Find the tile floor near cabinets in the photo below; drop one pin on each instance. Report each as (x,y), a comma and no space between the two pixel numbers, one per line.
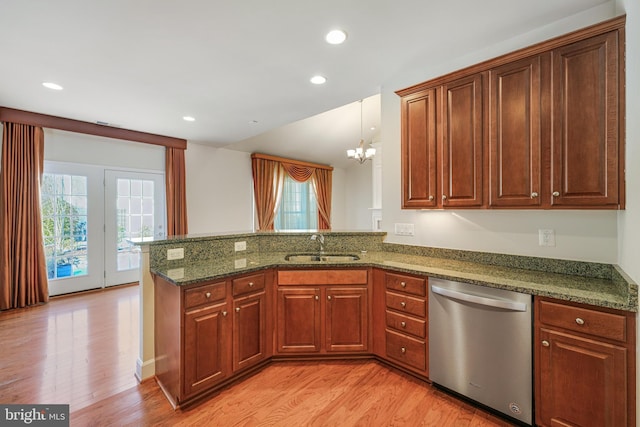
(81,350)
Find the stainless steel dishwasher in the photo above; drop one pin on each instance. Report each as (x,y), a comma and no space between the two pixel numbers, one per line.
(480,345)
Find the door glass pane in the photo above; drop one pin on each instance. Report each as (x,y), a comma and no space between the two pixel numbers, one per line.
(64,224)
(135,219)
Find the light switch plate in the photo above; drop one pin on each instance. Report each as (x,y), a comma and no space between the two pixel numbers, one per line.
(402,229)
(546,237)
(176,253)
(241,246)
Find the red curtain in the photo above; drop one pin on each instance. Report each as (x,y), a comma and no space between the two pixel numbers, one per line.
(23,271)
(322,184)
(267,186)
(176,188)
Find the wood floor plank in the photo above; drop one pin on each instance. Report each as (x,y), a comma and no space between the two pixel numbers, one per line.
(82,349)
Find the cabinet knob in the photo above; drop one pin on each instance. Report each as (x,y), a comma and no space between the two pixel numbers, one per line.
(208,295)
(579,321)
(444,197)
(237,309)
(545,343)
(224,313)
(329,297)
(556,193)
(403,304)
(403,324)
(251,284)
(317,297)
(403,350)
(431,198)
(534,195)
(404,285)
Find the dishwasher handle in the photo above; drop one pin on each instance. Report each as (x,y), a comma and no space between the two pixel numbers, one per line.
(507,305)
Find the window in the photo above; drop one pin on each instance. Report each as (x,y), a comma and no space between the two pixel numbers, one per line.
(298,208)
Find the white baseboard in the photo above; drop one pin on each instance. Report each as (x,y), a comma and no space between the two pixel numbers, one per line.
(145,370)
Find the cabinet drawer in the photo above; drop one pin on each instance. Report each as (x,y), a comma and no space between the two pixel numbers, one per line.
(407,304)
(407,350)
(410,285)
(593,322)
(204,294)
(406,324)
(248,284)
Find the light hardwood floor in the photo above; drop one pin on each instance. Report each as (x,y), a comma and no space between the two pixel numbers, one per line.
(81,350)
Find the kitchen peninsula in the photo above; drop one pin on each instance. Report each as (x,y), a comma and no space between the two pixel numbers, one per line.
(234,303)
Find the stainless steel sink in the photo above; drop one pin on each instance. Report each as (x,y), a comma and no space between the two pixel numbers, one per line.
(321,257)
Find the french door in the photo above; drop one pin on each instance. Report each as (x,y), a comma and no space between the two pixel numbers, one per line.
(88,213)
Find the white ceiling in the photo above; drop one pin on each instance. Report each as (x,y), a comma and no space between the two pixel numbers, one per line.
(144,64)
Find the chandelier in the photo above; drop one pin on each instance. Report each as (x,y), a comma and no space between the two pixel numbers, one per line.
(361,154)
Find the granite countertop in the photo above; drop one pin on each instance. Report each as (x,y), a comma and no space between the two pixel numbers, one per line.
(599,292)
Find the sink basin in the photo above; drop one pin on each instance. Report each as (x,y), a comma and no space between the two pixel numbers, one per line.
(321,257)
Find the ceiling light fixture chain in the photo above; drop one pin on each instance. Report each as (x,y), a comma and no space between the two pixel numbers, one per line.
(360,153)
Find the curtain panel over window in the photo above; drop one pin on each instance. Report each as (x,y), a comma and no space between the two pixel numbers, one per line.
(268,174)
(23,272)
(176,188)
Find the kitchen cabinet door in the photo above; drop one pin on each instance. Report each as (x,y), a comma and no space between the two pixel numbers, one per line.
(298,322)
(206,347)
(462,141)
(583,382)
(585,148)
(249,331)
(346,319)
(515,175)
(419,133)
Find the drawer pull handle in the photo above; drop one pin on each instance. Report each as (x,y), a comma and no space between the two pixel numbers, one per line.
(545,343)
(579,321)
(403,350)
(403,324)
(224,313)
(208,295)
(556,193)
(251,284)
(237,309)
(329,297)
(404,285)
(317,297)
(403,304)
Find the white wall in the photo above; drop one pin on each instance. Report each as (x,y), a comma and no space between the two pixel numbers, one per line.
(359,200)
(580,235)
(629,219)
(219,190)
(73,147)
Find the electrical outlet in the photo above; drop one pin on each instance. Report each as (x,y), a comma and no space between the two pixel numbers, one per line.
(546,237)
(240,263)
(176,253)
(404,229)
(241,246)
(176,273)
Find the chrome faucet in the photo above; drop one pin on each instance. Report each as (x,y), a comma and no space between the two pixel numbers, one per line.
(319,237)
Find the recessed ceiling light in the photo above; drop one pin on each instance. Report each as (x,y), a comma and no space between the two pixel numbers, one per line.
(53,86)
(335,37)
(188,119)
(318,80)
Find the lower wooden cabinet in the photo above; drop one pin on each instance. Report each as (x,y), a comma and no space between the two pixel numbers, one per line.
(207,333)
(584,365)
(316,318)
(206,340)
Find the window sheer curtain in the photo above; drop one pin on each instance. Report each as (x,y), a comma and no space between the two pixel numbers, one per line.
(23,273)
(176,189)
(267,184)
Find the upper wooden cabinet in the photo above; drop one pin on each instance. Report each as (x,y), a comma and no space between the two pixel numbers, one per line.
(585,149)
(536,128)
(515,147)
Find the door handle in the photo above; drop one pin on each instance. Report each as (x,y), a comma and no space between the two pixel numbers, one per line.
(461,296)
